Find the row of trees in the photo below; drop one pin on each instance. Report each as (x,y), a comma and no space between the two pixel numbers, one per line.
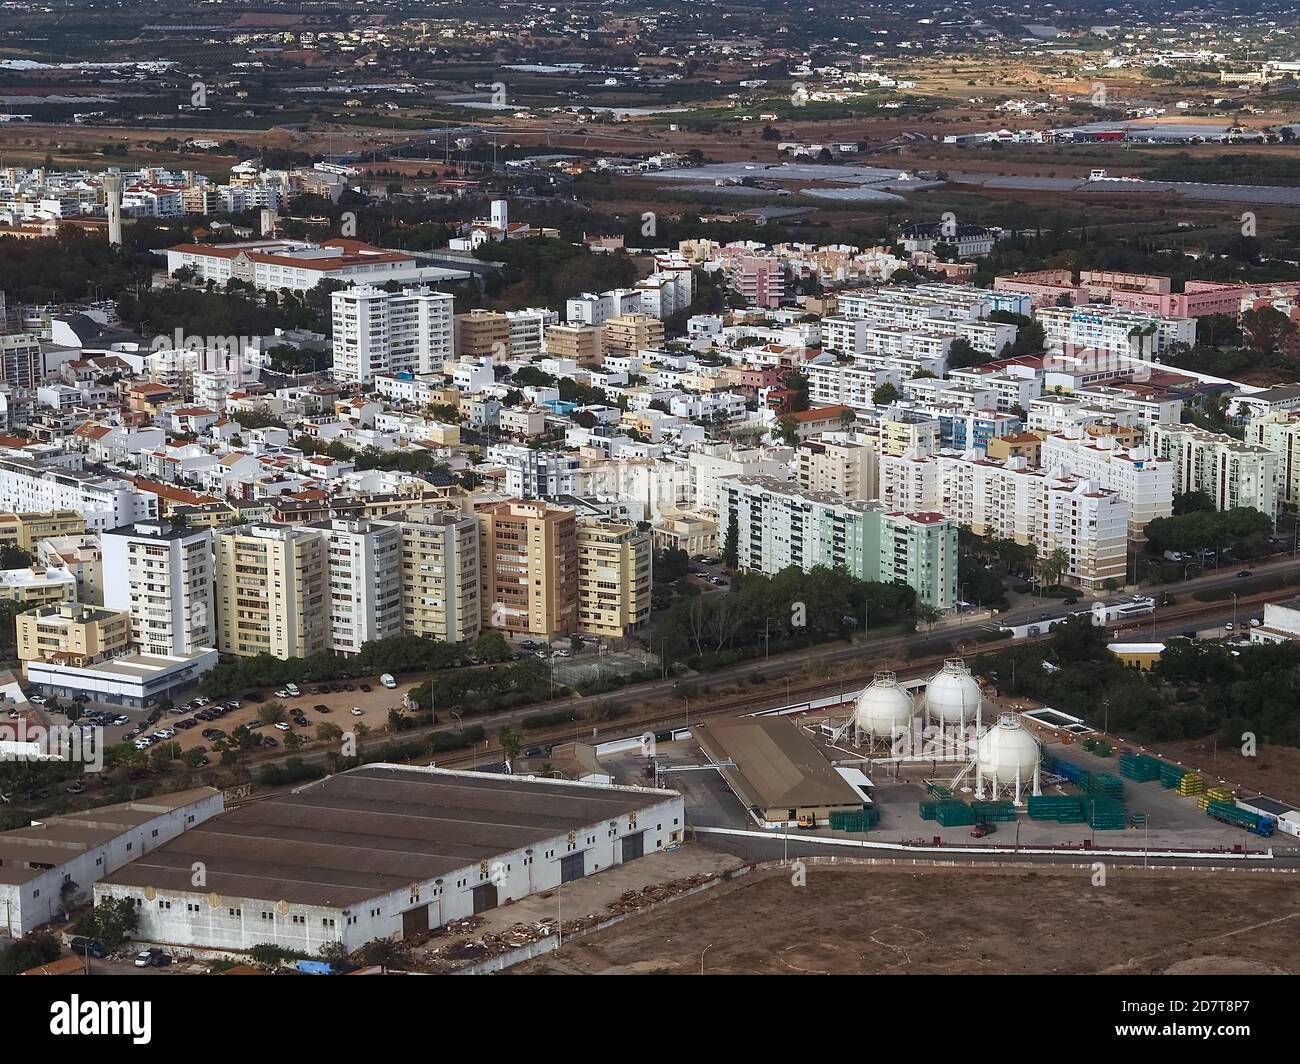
(790,608)
(1195,690)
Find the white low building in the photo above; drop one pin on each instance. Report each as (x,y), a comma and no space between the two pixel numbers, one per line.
(135,681)
(52,865)
(386,851)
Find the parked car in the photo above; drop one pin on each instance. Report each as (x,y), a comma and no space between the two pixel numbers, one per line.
(152,958)
(356,712)
(365,687)
(86,946)
(281,725)
(36,700)
(1245,572)
(293,689)
(187,724)
(388,681)
(75,787)
(282,693)
(320,707)
(213,734)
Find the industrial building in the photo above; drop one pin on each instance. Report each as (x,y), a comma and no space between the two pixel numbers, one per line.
(779,774)
(383,851)
(52,864)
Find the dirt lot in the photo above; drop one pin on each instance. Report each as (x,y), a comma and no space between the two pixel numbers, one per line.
(883,920)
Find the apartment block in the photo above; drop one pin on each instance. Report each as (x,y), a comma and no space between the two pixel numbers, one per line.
(439,574)
(780,524)
(1279,432)
(844,466)
(1231,472)
(272,591)
(378,332)
(365,582)
(163,577)
(37,586)
(72,633)
(581,344)
(1013,500)
(483,334)
(532,472)
(105,502)
(630,333)
(1114,329)
(529,568)
(1145,482)
(26,530)
(760,279)
(903,430)
(614,574)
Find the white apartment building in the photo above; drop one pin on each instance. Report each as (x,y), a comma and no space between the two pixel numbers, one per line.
(834,384)
(1113,329)
(379,332)
(710,464)
(1279,432)
(163,576)
(1145,482)
(1231,472)
(532,473)
(105,502)
(1016,501)
(365,582)
(527,330)
(596,309)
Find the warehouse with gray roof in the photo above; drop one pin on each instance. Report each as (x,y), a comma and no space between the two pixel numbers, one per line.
(384,851)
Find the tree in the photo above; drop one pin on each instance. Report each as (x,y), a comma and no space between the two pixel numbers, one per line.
(271,713)
(511,743)
(885,395)
(1054,566)
(731,544)
(787,430)
(929,616)
(492,646)
(329,732)
(383,952)
(1266,329)
(112,921)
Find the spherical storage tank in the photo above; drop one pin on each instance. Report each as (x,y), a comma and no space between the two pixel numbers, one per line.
(883,708)
(953,695)
(1007,754)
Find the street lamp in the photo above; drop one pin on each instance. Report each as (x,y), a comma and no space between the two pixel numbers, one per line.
(702,953)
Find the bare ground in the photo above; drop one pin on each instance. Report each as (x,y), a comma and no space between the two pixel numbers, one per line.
(923,920)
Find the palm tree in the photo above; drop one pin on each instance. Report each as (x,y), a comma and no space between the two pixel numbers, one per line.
(1055,566)
(511,743)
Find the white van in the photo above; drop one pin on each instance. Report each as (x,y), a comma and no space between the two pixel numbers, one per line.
(388,681)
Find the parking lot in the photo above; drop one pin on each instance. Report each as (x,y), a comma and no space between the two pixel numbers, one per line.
(301,713)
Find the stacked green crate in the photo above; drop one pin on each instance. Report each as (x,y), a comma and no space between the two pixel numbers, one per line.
(1140,768)
(929,810)
(1063,808)
(955,814)
(1103,783)
(1171,775)
(854,820)
(1106,814)
(1000,810)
